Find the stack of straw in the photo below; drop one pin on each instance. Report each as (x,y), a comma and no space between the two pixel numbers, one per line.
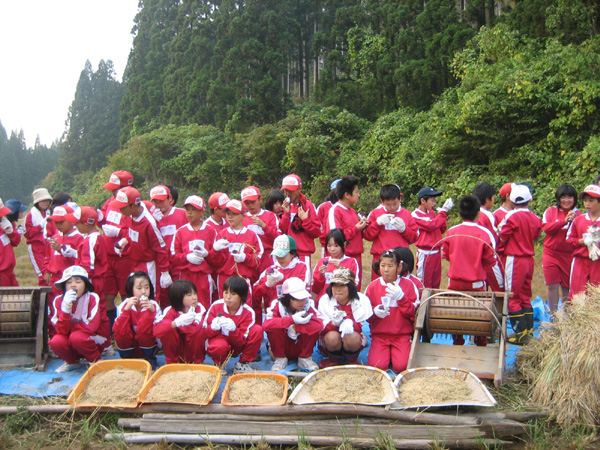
(563,365)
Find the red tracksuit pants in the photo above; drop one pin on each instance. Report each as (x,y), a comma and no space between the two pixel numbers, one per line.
(583,271)
(71,348)
(519,273)
(219,347)
(429,269)
(386,348)
(284,347)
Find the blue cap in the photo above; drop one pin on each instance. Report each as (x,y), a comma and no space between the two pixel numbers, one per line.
(15,205)
(335,183)
(428,192)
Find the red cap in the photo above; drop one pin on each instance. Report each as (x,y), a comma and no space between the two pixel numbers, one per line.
(217,200)
(504,191)
(592,190)
(159,192)
(235,206)
(250,193)
(196,201)
(4,210)
(291,182)
(85,214)
(126,196)
(118,179)
(60,213)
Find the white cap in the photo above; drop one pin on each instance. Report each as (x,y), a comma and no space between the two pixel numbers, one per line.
(520,194)
(296,288)
(73,271)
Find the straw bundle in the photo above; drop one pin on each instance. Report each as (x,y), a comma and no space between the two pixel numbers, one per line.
(353,386)
(189,386)
(116,386)
(256,391)
(433,390)
(563,365)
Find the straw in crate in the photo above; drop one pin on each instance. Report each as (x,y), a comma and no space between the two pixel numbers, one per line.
(258,386)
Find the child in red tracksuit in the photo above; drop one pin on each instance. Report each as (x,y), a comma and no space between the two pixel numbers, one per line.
(299,219)
(135,317)
(389,224)
(216,204)
(179,328)
(323,215)
(293,326)
(34,232)
(9,238)
(583,237)
(341,215)
(147,248)
(506,205)
(431,227)
(557,257)
(269,285)
(231,329)
(343,310)
(264,223)
(516,245)
(336,244)
(238,250)
(393,320)
(192,250)
(76,317)
(469,247)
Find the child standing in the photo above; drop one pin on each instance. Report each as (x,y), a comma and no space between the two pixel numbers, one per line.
(336,244)
(343,216)
(179,328)
(76,317)
(147,248)
(135,317)
(9,238)
(343,310)
(323,214)
(393,321)
(558,253)
(238,249)
(583,237)
(34,232)
(287,265)
(506,205)
(293,326)
(230,327)
(216,203)
(389,224)
(516,245)
(430,228)
(274,202)
(192,250)
(299,219)
(264,223)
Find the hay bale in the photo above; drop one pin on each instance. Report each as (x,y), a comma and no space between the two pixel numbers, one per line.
(119,386)
(563,365)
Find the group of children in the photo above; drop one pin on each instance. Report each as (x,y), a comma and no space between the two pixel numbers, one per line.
(199,287)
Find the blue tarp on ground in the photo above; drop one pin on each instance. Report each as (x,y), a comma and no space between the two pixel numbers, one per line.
(29,382)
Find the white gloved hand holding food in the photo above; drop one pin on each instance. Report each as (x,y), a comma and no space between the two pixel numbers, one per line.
(165,280)
(399,224)
(273,278)
(381,311)
(346,327)
(221,245)
(384,219)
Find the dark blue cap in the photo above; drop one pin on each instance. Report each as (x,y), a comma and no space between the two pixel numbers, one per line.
(15,205)
(428,192)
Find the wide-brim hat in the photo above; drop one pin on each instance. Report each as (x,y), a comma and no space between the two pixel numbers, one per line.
(74,271)
(41,194)
(15,205)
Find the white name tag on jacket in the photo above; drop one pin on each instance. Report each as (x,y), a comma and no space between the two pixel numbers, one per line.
(195,243)
(256,228)
(114,217)
(5,240)
(168,230)
(134,235)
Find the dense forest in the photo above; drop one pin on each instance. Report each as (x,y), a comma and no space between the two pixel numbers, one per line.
(219,94)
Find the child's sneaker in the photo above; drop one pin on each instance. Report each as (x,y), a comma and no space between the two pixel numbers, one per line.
(66,367)
(307,364)
(243,367)
(279,364)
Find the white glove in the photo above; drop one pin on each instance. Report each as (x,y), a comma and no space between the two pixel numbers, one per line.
(346,327)
(165,280)
(221,244)
(120,245)
(239,257)
(274,278)
(194,259)
(399,224)
(68,251)
(110,230)
(291,332)
(21,229)
(203,253)
(216,324)
(98,339)
(384,219)
(338,317)
(300,319)
(6,225)
(227,326)
(448,204)
(67,301)
(589,239)
(157,214)
(394,291)
(185,319)
(381,311)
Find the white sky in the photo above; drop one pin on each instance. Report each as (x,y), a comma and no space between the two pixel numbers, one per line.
(43,48)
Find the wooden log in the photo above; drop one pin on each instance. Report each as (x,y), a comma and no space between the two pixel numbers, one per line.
(519,416)
(126,422)
(417,444)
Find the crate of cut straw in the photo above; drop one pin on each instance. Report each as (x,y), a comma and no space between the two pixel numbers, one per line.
(346,384)
(115,383)
(427,387)
(255,389)
(194,384)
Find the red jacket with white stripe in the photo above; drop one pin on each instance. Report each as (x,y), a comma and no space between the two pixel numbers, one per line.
(487,220)
(295,268)
(170,223)
(243,318)
(304,231)
(114,223)
(341,216)
(278,318)
(320,282)
(55,262)
(141,322)
(186,238)
(402,312)
(578,228)
(386,237)
(252,247)
(92,255)
(469,256)
(146,243)
(267,234)
(520,229)
(64,324)
(431,227)
(555,225)
(162,325)
(7,253)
